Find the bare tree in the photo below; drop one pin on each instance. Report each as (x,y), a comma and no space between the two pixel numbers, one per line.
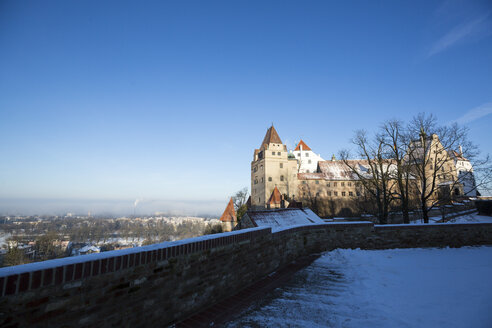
(395,140)
(429,160)
(373,171)
(239,199)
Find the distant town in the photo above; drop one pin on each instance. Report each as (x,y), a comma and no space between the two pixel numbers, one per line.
(25,239)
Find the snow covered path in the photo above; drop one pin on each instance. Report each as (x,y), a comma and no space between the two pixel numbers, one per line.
(383,288)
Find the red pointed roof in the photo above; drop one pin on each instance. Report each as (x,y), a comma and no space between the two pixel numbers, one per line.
(303,144)
(271,136)
(275,198)
(229,214)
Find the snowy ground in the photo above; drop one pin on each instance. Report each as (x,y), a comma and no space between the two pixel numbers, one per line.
(471,218)
(450,287)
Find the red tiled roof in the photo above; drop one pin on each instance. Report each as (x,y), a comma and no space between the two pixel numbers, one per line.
(275,198)
(271,136)
(229,214)
(303,144)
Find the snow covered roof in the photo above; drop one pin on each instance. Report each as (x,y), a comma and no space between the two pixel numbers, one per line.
(303,144)
(284,217)
(89,248)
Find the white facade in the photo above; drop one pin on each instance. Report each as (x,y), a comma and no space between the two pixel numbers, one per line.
(308,160)
(466,177)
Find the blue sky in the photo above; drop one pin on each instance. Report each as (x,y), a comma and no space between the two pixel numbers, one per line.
(109,101)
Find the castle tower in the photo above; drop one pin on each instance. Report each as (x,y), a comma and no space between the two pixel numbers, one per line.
(228,218)
(271,166)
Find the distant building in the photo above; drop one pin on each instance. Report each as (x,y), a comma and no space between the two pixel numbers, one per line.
(307,159)
(331,188)
(464,171)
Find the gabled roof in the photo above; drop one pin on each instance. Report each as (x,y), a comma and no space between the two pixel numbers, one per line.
(271,136)
(457,156)
(229,214)
(303,144)
(275,198)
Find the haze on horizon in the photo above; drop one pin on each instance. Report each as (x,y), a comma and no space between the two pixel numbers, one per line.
(103,103)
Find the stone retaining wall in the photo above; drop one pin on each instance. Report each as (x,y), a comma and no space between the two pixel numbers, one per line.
(160,284)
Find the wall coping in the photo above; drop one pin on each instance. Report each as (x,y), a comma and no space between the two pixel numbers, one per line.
(423,225)
(29,267)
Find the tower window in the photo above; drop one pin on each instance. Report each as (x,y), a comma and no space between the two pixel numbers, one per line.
(309,161)
(307,154)
(351,193)
(328,184)
(273,153)
(343,193)
(269,178)
(281,165)
(317,182)
(334,185)
(281,178)
(335,193)
(278,153)
(328,193)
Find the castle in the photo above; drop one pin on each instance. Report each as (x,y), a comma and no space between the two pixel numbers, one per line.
(280,176)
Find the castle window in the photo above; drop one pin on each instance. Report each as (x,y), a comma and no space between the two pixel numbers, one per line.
(343,184)
(307,171)
(273,153)
(349,184)
(334,185)
(328,184)
(307,154)
(269,178)
(281,165)
(351,193)
(317,194)
(335,193)
(278,153)
(317,182)
(328,193)
(357,193)
(343,193)
(304,182)
(309,162)
(281,178)
(261,180)
(299,155)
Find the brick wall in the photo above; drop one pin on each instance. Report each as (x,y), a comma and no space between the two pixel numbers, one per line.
(159,284)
